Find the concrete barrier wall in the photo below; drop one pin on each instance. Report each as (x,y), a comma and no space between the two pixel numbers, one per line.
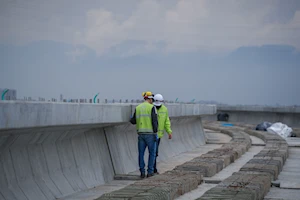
(49,164)
(258,114)
(50,150)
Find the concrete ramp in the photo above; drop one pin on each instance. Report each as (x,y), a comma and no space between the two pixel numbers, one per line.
(50,150)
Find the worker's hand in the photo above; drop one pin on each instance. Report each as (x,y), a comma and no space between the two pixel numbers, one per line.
(170,136)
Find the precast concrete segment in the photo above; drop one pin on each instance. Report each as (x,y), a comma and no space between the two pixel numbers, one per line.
(19,114)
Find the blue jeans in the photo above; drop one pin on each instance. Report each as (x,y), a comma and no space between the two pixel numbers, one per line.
(147,140)
(156,154)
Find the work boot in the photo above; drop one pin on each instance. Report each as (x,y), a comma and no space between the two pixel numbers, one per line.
(156,172)
(143,175)
(149,175)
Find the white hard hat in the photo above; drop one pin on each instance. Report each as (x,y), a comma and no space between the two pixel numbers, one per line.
(158,100)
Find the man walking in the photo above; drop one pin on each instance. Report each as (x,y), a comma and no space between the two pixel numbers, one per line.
(145,118)
(163,122)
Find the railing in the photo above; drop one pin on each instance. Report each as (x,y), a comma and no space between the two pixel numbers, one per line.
(97,101)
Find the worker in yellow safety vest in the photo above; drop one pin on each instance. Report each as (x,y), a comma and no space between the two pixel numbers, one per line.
(145,118)
(164,123)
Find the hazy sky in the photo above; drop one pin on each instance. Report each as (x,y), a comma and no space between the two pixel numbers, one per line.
(202,49)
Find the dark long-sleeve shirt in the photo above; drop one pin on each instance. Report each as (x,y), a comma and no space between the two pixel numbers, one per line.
(153,117)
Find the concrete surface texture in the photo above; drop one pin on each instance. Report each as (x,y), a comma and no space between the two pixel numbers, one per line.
(50,150)
(214,137)
(252,181)
(293,141)
(258,114)
(50,164)
(254,178)
(289,179)
(222,175)
(187,176)
(163,166)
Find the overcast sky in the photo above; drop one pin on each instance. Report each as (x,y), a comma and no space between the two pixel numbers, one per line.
(145,39)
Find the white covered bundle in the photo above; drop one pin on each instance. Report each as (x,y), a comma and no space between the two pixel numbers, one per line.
(281,129)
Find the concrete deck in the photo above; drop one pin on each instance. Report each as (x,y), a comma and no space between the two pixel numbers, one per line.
(163,166)
(253,180)
(214,137)
(222,175)
(188,175)
(293,141)
(289,179)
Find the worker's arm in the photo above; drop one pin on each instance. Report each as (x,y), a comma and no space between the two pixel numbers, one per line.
(133,119)
(168,126)
(154,119)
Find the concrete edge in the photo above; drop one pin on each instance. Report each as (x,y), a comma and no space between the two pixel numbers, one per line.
(285,109)
(19,115)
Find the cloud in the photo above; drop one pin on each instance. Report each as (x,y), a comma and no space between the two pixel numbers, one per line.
(76,53)
(105,31)
(192,25)
(182,25)
(287,33)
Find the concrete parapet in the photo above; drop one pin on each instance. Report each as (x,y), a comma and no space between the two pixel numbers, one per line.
(19,114)
(258,114)
(286,109)
(50,150)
